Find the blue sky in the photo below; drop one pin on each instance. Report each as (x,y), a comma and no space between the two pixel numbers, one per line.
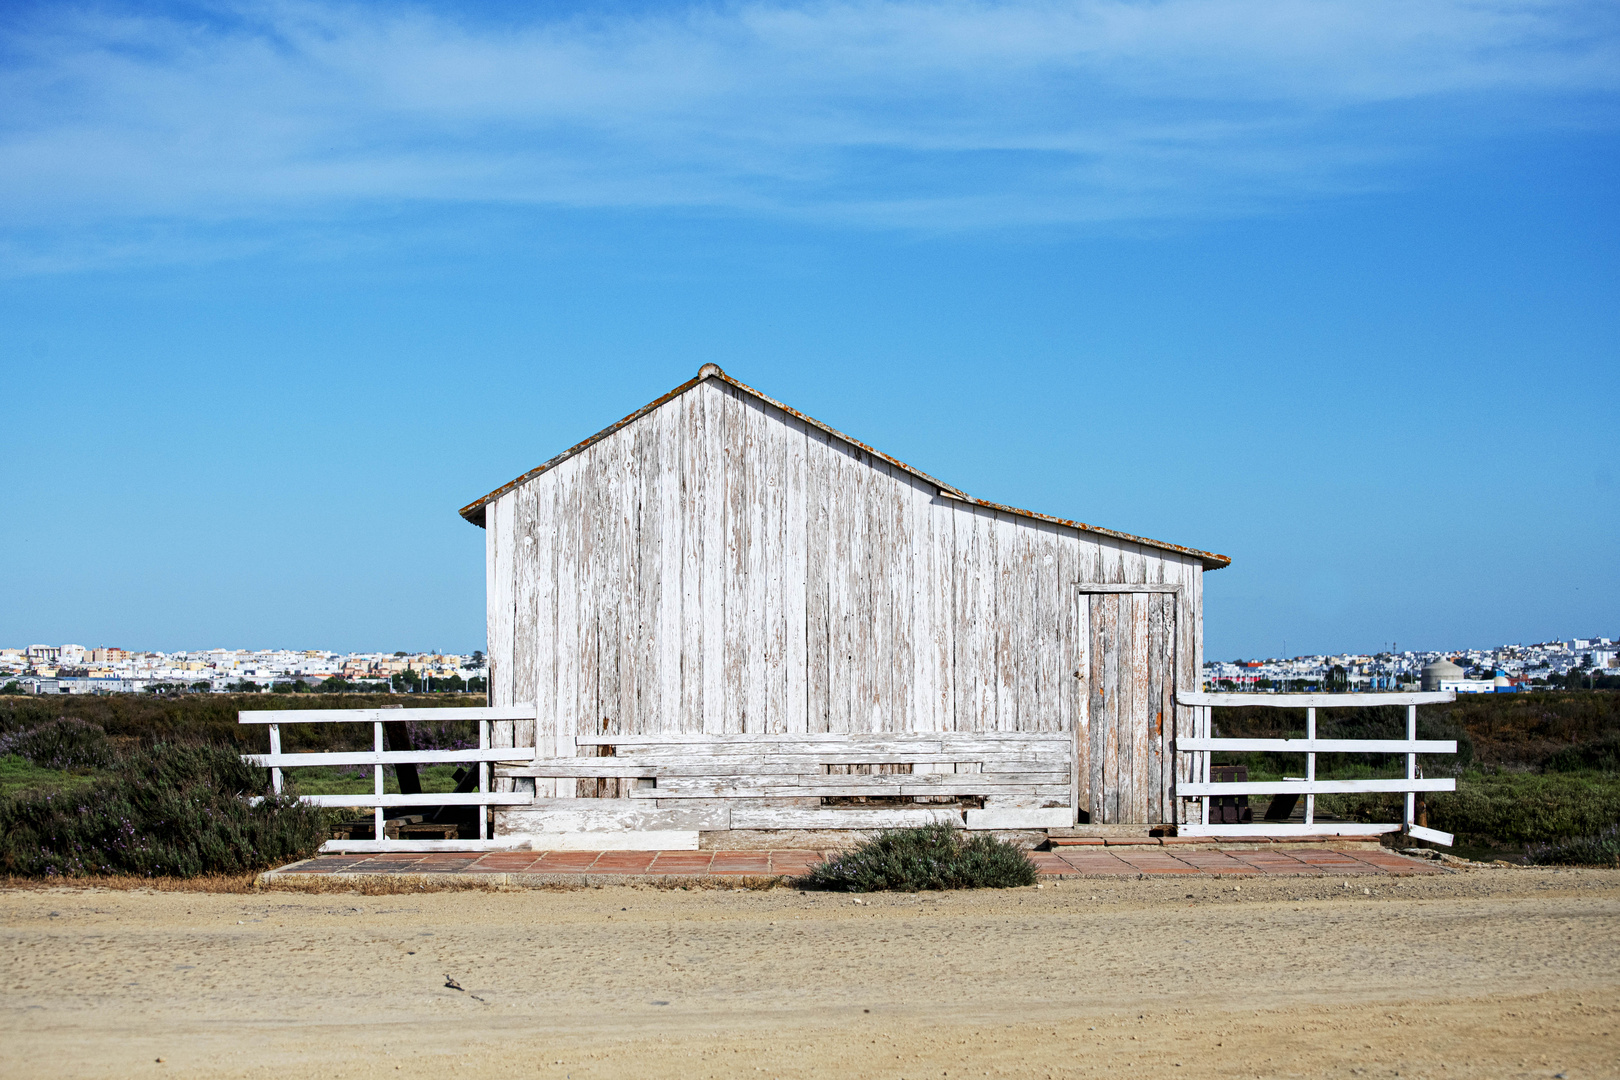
(1330,288)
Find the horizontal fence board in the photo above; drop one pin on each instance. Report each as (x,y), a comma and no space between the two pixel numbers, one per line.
(1323,746)
(1315,787)
(384,757)
(1315,701)
(744,759)
(864,786)
(934,740)
(1434,836)
(407,847)
(584,768)
(427,798)
(369,716)
(635,767)
(1321,828)
(837,783)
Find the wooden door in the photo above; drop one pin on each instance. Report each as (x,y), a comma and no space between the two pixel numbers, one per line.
(1127,704)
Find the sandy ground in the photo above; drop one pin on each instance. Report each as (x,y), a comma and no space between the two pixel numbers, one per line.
(1489,973)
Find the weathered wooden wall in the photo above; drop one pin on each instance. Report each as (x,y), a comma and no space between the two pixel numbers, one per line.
(721,566)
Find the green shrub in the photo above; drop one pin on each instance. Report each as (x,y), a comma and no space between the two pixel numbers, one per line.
(1600,850)
(212,717)
(1503,808)
(62,743)
(1601,755)
(171,810)
(927,857)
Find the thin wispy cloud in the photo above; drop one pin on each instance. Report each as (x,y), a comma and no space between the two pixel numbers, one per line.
(122,125)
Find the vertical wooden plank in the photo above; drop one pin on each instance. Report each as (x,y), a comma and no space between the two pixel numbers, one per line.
(1031,668)
(1110,563)
(820,463)
(920,545)
(842,568)
(500,516)
(671,566)
(545,636)
(1158,677)
(526,610)
(736,594)
(1012,618)
(795,579)
(1134,564)
(899,713)
(967,620)
(988,639)
(715,563)
(609,579)
(1141,690)
(1081,676)
(1133,713)
(588,495)
(1055,603)
(630,452)
(1105,707)
(759,633)
(862,615)
(641,621)
(943,586)
(694,489)
(1125,706)
(489,599)
(570,610)
(1190,658)
(1033,713)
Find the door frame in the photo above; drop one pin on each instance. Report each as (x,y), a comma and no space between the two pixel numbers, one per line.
(1082,718)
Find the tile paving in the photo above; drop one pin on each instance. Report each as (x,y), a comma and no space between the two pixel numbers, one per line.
(1078,861)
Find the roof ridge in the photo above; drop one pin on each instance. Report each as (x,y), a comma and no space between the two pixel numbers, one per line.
(474,511)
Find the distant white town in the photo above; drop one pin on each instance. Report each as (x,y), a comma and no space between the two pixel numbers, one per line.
(1506,668)
(75,669)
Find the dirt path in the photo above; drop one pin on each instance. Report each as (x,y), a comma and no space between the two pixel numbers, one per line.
(1492,973)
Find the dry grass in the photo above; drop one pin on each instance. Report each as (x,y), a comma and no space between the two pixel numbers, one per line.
(364,885)
(205,883)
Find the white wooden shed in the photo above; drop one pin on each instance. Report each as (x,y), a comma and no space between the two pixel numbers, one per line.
(730,616)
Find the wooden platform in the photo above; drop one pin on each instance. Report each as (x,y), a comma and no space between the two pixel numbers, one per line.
(543,868)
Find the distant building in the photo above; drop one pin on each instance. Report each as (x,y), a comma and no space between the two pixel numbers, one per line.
(1441,671)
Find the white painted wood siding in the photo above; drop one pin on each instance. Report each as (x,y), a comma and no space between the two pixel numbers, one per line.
(719,566)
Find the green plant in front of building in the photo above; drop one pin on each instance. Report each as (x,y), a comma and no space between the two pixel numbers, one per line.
(924,858)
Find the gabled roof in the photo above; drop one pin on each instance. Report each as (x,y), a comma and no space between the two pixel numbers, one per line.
(474,511)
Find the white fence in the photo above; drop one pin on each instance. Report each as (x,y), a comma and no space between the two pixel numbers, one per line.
(1310,787)
(377,757)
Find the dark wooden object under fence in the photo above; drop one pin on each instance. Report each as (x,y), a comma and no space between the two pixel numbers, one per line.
(1230,809)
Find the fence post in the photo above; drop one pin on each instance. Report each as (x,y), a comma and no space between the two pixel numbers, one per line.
(1209,726)
(1411,765)
(1310,765)
(483,780)
(275,748)
(377,773)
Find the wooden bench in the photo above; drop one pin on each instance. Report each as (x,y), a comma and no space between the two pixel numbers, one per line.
(993,780)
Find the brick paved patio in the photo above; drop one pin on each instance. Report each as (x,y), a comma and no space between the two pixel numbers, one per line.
(597,867)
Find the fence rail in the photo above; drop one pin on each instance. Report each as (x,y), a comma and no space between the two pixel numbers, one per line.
(1202,746)
(378,757)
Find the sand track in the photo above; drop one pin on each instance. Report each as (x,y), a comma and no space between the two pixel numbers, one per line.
(1489,973)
